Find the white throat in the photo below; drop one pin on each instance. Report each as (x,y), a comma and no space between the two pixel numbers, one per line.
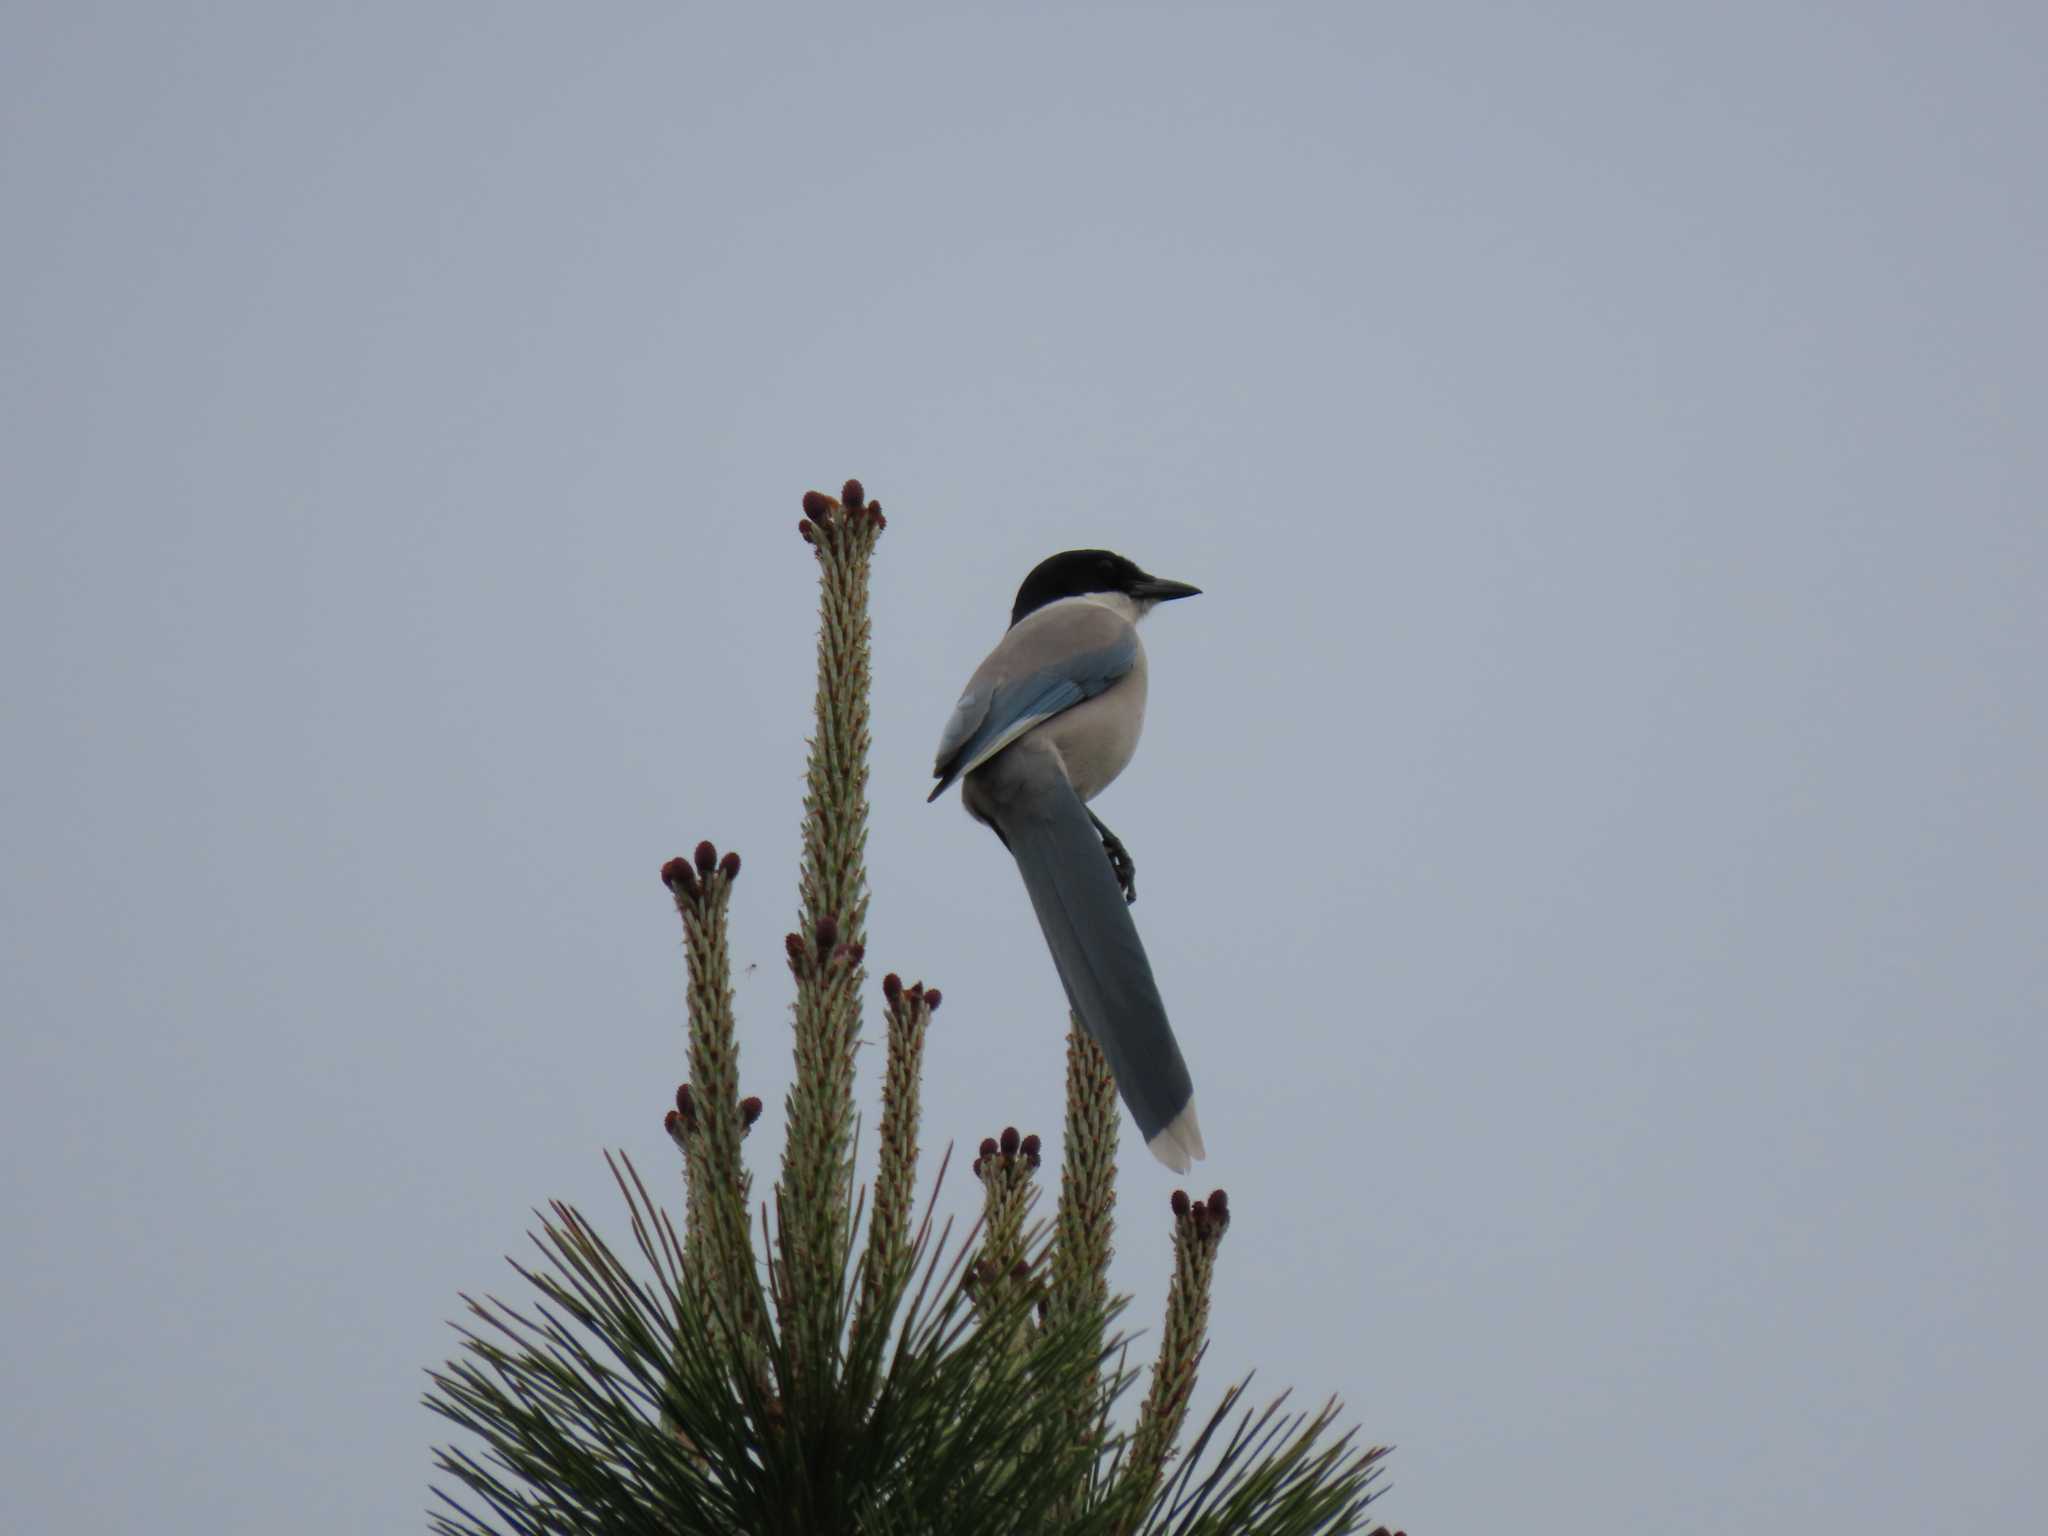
(1118,603)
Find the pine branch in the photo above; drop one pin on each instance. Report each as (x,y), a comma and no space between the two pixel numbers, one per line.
(1007,1168)
(710,1116)
(910,1012)
(610,1407)
(1274,1475)
(1198,1227)
(813,1198)
(1085,1225)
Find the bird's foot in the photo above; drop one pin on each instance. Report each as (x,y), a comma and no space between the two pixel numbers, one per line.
(1121,862)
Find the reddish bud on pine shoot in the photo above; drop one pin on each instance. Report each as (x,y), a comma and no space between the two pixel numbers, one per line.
(1180,1202)
(817,506)
(988,1146)
(1020,1270)
(892,989)
(931,1000)
(707,857)
(1031,1145)
(750,1109)
(1219,1203)
(729,866)
(875,516)
(855,496)
(677,875)
(672,1122)
(806,533)
(1010,1141)
(827,932)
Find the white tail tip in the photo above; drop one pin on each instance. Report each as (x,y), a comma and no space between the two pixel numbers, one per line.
(1180,1144)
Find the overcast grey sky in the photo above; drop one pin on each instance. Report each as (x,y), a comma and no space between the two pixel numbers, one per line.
(1590,832)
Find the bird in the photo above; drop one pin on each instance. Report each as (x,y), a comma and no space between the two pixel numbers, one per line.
(1046,723)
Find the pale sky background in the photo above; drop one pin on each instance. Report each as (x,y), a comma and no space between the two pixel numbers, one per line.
(1590,832)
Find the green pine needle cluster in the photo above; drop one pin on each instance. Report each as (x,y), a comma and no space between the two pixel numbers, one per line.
(839,1370)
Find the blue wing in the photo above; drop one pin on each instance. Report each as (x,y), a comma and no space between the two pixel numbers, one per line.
(988,718)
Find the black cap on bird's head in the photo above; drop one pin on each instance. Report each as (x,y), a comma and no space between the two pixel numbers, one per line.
(1087,572)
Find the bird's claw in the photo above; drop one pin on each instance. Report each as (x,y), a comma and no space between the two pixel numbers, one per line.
(1125,867)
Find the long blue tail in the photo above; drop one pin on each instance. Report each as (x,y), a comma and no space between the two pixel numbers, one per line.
(1100,959)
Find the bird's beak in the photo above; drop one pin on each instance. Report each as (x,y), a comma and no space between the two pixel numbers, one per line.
(1157,589)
